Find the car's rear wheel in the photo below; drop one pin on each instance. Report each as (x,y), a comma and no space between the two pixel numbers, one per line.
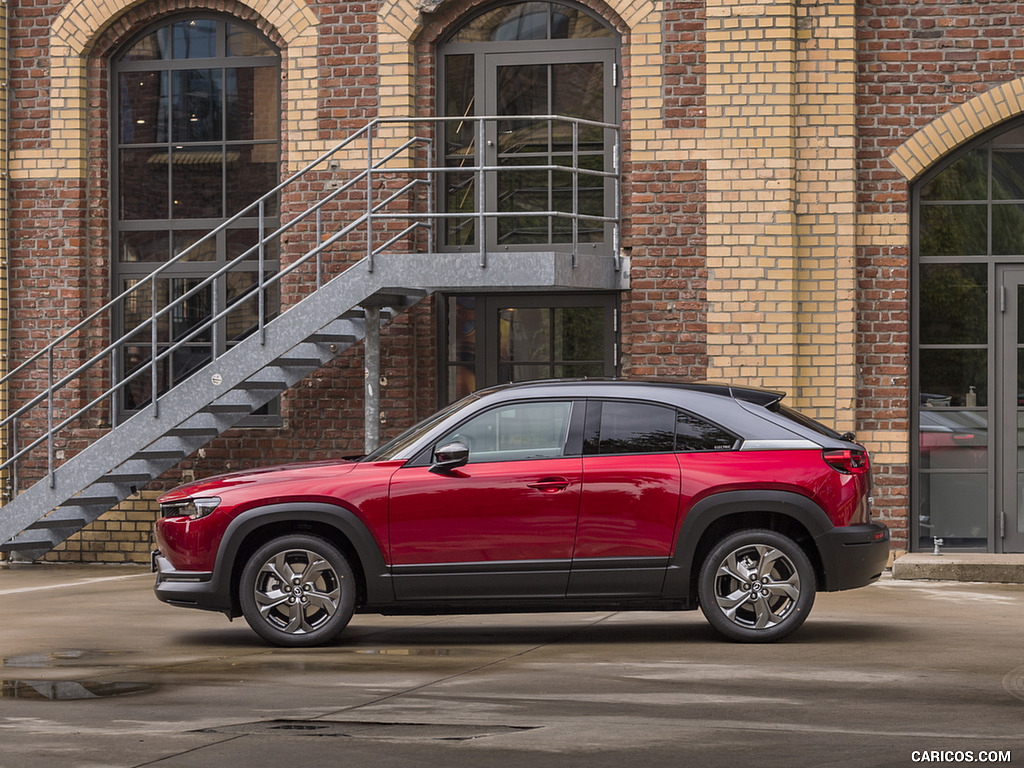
(297,590)
(756,586)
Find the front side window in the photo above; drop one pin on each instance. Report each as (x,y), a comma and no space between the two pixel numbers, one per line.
(515,432)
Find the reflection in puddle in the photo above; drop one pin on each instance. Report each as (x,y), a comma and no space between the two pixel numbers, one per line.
(54,658)
(67,690)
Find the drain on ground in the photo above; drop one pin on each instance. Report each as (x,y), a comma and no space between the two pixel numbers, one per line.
(363,729)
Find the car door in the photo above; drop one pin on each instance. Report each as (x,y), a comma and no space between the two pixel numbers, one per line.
(503,525)
(630,503)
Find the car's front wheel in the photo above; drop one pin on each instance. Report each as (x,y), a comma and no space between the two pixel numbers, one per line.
(297,590)
(756,586)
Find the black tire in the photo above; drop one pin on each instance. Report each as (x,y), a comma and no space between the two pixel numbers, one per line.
(756,586)
(297,590)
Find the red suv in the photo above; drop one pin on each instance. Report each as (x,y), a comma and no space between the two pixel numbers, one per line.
(558,495)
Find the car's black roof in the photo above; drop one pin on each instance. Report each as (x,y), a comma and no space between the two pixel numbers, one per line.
(755,395)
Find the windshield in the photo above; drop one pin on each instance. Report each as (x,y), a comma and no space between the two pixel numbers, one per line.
(395,447)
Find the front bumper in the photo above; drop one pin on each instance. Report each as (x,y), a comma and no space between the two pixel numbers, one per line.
(853,556)
(188,589)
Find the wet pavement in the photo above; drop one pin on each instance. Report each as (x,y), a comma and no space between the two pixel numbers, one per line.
(95,672)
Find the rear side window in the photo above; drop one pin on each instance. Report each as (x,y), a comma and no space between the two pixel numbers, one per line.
(617,427)
(695,434)
(629,428)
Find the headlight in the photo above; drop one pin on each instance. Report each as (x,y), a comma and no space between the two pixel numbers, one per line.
(193,509)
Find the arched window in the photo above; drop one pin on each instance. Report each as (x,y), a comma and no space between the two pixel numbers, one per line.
(968,351)
(196,116)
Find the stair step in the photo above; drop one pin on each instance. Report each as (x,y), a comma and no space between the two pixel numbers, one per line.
(193,432)
(326,337)
(298,362)
(58,520)
(92,501)
(226,408)
(253,386)
(25,543)
(125,478)
(153,455)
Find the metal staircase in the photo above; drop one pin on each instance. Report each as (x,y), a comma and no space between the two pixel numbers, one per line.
(68,458)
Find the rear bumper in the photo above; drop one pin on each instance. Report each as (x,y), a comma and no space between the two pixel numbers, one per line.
(853,556)
(188,589)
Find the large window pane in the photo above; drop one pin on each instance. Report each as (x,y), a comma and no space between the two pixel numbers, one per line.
(1008,175)
(579,333)
(251,103)
(954,304)
(953,439)
(142,184)
(526,335)
(1007,229)
(196,185)
(954,507)
(954,230)
(144,107)
(244,42)
(148,246)
(194,39)
(251,172)
(197,105)
(948,376)
(153,47)
(965,179)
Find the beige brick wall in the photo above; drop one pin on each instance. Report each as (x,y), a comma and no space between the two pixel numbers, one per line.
(781,209)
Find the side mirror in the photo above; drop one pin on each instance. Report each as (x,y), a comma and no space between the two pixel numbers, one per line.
(449,457)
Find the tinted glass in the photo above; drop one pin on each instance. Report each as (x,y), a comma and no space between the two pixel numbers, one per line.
(954,304)
(965,179)
(954,230)
(634,428)
(694,434)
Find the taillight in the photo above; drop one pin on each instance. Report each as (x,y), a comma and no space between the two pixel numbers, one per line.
(849,462)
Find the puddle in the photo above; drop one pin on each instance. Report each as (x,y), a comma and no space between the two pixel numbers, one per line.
(54,659)
(365,729)
(68,690)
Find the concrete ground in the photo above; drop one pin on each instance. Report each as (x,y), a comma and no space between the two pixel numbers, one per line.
(95,672)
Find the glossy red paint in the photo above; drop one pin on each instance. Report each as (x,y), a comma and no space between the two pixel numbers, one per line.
(800,471)
(500,511)
(191,545)
(630,506)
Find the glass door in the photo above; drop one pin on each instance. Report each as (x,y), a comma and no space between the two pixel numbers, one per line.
(1010,512)
(523,89)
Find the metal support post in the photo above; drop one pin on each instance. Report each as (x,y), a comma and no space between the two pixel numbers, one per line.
(371,373)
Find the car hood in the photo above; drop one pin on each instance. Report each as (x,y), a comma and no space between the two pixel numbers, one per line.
(264,476)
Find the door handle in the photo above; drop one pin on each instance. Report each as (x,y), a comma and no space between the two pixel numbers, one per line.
(550,484)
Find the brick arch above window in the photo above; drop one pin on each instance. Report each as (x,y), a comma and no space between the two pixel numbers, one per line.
(960,124)
(83,23)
